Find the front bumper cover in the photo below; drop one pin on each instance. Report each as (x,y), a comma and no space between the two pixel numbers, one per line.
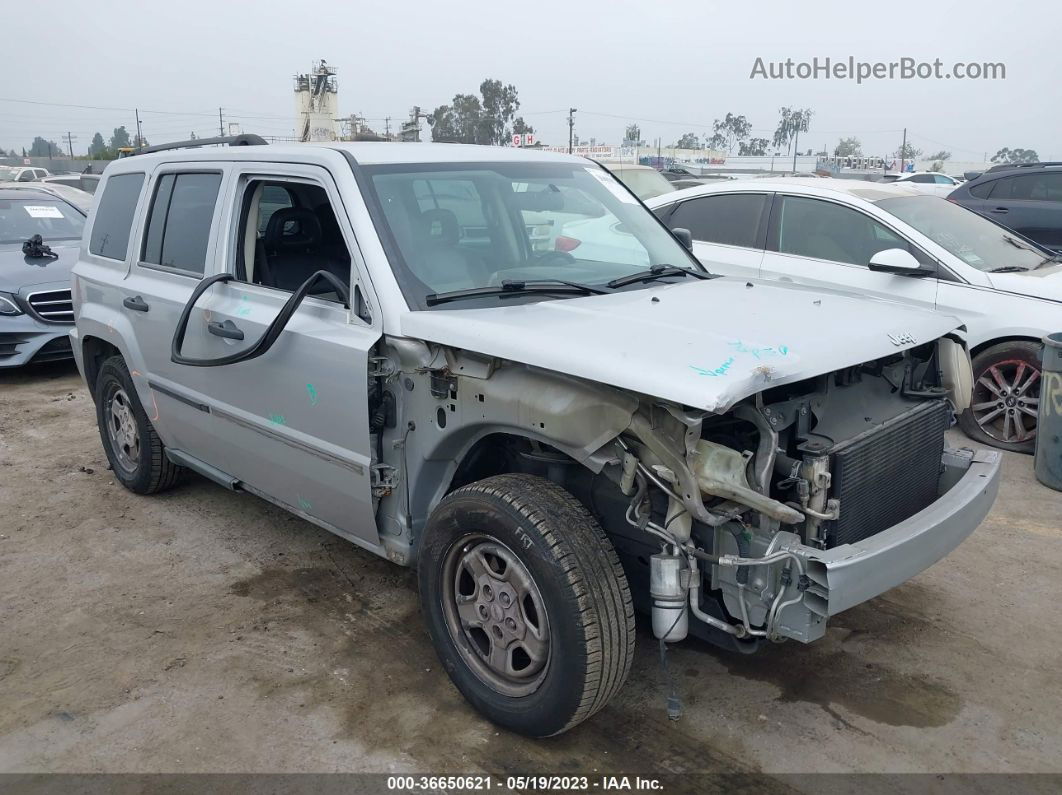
(847,575)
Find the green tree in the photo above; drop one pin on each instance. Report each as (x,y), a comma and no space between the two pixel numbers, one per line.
(499,103)
(754,147)
(97,148)
(521,127)
(729,132)
(1006,155)
(790,124)
(848,147)
(908,152)
(632,135)
(688,141)
(42,148)
(477,120)
(120,138)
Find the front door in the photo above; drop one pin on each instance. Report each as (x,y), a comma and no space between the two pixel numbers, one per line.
(826,244)
(294,421)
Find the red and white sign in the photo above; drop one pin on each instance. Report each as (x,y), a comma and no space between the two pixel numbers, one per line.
(516,139)
(527,139)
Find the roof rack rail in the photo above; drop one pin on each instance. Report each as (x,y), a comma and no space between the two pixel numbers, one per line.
(1037,164)
(247,139)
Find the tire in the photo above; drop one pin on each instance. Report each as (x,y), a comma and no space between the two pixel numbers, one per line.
(995,371)
(135,452)
(578,600)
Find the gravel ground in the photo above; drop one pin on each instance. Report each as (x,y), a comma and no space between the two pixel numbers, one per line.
(203,631)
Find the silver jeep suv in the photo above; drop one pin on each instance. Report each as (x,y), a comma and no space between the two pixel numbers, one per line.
(499,366)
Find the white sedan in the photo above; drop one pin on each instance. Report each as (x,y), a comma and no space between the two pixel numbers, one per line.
(895,243)
(932,182)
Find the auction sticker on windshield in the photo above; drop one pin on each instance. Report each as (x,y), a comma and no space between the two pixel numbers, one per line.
(42,211)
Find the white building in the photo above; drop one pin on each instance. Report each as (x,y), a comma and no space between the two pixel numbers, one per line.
(316,104)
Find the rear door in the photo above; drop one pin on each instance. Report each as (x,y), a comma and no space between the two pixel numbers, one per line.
(1030,204)
(173,245)
(293,422)
(827,244)
(728,230)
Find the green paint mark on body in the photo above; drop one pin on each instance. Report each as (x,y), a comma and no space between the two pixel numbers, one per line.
(314,399)
(277,419)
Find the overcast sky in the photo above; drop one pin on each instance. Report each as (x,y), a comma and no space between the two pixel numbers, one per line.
(672,67)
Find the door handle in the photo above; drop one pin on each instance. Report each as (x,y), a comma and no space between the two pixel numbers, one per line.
(1000,210)
(227,329)
(136,303)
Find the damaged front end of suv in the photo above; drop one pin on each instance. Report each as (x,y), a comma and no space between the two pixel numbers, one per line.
(750,522)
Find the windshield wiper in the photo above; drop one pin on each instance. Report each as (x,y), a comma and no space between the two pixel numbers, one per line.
(515,287)
(657,272)
(1009,269)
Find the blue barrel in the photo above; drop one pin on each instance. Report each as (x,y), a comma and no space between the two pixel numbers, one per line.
(1049,421)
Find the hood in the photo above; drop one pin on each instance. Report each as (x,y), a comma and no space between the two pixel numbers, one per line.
(1041,283)
(704,344)
(18,271)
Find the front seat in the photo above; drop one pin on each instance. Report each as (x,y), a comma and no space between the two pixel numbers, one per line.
(441,264)
(293,251)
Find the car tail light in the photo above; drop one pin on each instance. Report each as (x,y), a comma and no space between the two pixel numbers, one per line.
(563,243)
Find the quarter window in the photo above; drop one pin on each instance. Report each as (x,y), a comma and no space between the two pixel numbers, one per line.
(730,219)
(824,230)
(114,216)
(984,190)
(178,228)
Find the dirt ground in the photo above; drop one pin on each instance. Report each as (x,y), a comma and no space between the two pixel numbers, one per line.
(202,630)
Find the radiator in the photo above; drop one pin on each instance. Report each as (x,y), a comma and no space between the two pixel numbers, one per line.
(887,474)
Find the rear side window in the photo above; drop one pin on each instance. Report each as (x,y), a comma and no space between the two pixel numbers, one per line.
(114,216)
(732,219)
(1045,186)
(983,190)
(178,228)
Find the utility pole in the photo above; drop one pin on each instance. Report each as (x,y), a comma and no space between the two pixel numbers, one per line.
(70,144)
(139,134)
(221,124)
(571,127)
(903,149)
(796,146)
(387,127)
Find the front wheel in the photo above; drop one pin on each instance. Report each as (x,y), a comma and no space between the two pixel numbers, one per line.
(1006,397)
(526,603)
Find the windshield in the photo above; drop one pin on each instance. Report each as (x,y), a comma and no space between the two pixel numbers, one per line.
(646,183)
(975,240)
(21,219)
(475,225)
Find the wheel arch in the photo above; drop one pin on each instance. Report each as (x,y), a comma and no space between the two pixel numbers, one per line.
(991,343)
(480,453)
(95,351)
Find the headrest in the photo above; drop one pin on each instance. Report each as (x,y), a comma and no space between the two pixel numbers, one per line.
(292,227)
(439,227)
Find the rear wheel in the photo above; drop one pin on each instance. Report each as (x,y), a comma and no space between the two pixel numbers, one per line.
(1006,397)
(135,452)
(526,603)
